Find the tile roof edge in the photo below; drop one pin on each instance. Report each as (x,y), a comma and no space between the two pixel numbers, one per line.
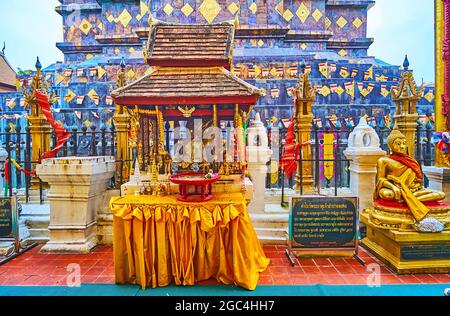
(117,92)
(248,86)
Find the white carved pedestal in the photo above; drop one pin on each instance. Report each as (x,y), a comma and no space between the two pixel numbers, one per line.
(439,179)
(363,151)
(77,189)
(270,226)
(258,154)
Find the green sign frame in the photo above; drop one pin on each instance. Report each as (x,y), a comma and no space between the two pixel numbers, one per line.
(9,221)
(325,223)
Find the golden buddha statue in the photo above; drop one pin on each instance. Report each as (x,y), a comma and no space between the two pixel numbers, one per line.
(400,178)
(400,200)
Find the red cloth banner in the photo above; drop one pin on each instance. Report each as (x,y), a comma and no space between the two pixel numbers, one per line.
(62,135)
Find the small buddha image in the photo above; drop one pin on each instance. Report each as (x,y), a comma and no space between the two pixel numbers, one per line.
(400,179)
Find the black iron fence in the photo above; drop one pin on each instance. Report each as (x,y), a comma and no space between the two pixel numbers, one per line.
(85,142)
(328,164)
(329,172)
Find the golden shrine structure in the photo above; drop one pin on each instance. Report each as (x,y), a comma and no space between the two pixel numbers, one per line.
(158,238)
(189,79)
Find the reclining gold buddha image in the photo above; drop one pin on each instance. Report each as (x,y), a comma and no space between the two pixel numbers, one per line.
(401,201)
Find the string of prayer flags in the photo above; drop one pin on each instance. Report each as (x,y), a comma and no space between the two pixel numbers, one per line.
(308,69)
(333,87)
(11,103)
(429,96)
(325,91)
(17,116)
(384,91)
(273,71)
(70,96)
(366,75)
(354,73)
(365,91)
(344,72)
(100,72)
(109,122)
(275,93)
(22,102)
(393,89)
(265,72)
(318,122)
(350,88)
(371,121)
(369,73)
(95,115)
(48,76)
(68,72)
(349,122)
(93,72)
(29,81)
(78,114)
(80,72)
(423,119)
(293,71)
(80,99)
(258,71)
(334,120)
(251,72)
(109,100)
(237,71)
(96,99)
(333,68)
(280,71)
(323,69)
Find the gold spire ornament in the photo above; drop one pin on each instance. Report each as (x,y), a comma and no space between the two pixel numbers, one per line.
(406,97)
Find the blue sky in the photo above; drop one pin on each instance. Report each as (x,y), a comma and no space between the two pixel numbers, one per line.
(32,27)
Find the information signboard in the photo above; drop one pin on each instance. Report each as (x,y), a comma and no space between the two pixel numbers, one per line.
(9,229)
(323,223)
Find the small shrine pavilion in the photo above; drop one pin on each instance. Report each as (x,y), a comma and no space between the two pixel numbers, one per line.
(189,78)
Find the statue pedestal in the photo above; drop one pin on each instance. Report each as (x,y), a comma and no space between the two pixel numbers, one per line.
(439,179)
(77,189)
(408,252)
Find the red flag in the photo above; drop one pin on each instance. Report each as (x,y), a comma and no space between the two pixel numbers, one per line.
(62,135)
(291,152)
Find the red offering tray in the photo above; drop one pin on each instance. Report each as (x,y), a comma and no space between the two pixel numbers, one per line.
(202,186)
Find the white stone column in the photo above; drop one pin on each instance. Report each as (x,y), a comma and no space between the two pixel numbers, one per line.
(363,151)
(439,179)
(258,154)
(77,189)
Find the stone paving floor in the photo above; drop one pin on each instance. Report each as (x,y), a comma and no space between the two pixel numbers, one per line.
(33,269)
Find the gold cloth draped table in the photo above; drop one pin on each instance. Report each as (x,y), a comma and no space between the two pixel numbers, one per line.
(159,240)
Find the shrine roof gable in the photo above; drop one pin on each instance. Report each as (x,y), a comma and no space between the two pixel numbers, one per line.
(188,45)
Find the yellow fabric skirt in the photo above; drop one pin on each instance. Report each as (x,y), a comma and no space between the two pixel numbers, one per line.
(159,240)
